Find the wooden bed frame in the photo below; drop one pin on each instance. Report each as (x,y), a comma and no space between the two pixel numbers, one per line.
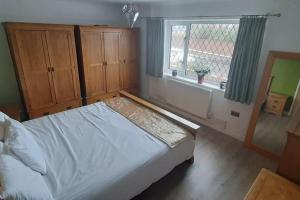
(190,126)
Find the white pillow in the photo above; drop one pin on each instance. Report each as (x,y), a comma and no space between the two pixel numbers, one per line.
(2,120)
(3,116)
(1,147)
(2,131)
(20,182)
(20,142)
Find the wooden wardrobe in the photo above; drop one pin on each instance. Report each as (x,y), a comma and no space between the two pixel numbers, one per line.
(109,61)
(46,66)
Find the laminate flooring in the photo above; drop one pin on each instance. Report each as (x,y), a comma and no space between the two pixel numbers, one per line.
(270,132)
(223,170)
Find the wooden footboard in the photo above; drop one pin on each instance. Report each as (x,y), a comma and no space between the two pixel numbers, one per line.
(190,126)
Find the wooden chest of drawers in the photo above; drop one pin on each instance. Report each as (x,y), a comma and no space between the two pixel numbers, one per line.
(276,103)
(289,165)
(270,186)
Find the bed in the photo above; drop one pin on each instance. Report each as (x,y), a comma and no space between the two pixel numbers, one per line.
(93,152)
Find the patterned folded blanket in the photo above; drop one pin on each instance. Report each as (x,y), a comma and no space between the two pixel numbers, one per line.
(152,122)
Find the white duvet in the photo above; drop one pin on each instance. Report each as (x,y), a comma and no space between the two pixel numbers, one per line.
(95,153)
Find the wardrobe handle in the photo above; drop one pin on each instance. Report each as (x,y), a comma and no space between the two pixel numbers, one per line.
(105,63)
(49,69)
(52,69)
(124,61)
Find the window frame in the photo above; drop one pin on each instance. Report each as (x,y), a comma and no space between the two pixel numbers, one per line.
(188,23)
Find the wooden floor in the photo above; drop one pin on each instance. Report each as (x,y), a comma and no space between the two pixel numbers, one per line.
(270,132)
(223,170)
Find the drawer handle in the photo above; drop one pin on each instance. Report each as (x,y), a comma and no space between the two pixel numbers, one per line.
(46,113)
(274,107)
(275,101)
(69,107)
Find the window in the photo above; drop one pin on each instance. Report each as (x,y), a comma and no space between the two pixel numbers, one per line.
(192,45)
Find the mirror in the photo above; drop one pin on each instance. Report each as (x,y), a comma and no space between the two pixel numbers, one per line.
(276,104)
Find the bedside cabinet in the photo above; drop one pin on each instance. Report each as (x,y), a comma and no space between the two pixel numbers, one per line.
(276,103)
(13,111)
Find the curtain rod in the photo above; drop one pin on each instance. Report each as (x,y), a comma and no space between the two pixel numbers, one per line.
(226,16)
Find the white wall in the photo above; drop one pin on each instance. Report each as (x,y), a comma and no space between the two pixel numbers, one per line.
(220,107)
(61,11)
(281,34)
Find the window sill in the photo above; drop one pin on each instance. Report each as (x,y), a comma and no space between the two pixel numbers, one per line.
(193,83)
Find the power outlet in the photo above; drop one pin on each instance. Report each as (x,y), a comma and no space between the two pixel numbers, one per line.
(235,113)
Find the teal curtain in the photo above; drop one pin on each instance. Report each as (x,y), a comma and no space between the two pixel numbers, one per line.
(155,46)
(243,67)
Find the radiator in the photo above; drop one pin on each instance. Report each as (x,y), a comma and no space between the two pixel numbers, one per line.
(193,100)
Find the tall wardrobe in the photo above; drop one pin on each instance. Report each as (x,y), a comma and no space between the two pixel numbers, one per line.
(46,66)
(59,66)
(108,61)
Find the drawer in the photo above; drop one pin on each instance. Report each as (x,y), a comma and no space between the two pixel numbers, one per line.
(276,101)
(54,109)
(274,107)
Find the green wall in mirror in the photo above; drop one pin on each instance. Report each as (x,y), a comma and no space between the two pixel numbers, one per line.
(286,75)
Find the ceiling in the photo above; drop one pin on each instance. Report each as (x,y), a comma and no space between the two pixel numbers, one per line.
(150,1)
(160,1)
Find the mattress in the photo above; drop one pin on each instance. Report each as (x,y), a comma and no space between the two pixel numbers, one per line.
(93,152)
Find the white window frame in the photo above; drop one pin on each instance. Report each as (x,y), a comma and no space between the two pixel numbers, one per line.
(187,23)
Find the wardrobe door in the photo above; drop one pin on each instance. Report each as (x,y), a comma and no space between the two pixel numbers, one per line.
(33,68)
(124,57)
(133,60)
(93,59)
(62,57)
(129,61)
(111,49)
